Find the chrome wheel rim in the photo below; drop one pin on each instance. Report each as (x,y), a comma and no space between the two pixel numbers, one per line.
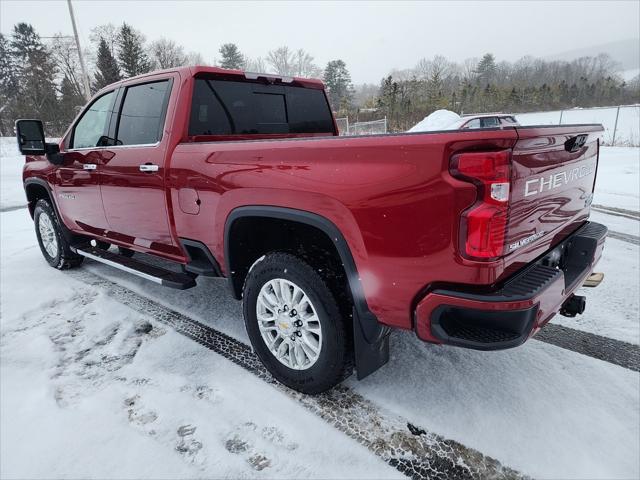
(48,235)
(289,324)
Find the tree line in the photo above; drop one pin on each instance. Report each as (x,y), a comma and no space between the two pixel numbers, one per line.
(44,80)
(41,79)
(485,85)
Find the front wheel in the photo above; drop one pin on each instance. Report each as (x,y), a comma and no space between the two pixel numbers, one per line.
(294,324)
(53,244)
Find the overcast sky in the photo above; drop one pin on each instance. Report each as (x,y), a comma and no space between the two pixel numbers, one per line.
(371,37)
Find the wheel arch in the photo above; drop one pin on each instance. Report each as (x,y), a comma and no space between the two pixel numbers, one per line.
(36,189)
(324,225)
(370,337)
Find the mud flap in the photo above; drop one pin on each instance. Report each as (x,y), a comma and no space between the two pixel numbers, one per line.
(370,343)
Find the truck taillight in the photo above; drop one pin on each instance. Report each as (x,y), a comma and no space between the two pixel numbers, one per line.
(484,224)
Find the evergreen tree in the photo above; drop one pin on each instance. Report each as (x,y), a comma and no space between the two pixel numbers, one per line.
(338,82)
(107,70)
(70,100)
(8,87)
(131,55)
(231,56)
(513,99)
(486,69)
(36,74)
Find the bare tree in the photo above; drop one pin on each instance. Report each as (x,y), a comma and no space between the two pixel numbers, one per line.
(257,64)
(469,69)
(304,66)
(281,60)
(195,58)
(109,32)
(65,55)
(166,53)
(438,67)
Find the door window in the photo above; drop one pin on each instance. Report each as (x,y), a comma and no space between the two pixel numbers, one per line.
(93,123)
(142,116)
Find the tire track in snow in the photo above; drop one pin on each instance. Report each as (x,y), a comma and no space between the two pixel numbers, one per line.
(620,353)
(618,212)
(411,450)
(11,209)
(625,237)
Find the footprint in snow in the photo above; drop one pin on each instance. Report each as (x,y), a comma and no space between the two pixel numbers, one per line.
(188,445)
(203,392)
(248,440)
(136,414)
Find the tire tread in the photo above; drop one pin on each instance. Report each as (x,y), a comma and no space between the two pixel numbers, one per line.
(279,261)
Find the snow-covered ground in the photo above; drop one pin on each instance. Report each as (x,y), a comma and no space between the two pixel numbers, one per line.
(11,190)
(618,180)
(87,389)
(85,392)
(627,127)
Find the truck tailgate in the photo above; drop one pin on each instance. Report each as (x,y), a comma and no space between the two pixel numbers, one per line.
(553,175)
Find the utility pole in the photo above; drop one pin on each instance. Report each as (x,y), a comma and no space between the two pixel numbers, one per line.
(85,77)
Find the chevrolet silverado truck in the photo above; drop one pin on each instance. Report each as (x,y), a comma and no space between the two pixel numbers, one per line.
(474,238)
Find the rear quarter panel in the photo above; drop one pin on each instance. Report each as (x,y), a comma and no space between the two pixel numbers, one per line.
(390,196)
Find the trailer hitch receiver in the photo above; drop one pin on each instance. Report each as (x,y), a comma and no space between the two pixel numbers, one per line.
(574,305)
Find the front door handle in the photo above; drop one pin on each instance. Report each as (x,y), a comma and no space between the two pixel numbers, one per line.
(89,166)
(149,167)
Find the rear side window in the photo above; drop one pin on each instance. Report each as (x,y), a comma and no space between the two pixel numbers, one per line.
(93,123)
(489,122)
(221,107)
(142,116)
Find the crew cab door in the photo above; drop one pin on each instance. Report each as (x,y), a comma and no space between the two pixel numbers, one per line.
(77,179)
(133,178)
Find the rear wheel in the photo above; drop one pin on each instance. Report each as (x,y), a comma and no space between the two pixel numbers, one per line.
(295,325)
(54,246)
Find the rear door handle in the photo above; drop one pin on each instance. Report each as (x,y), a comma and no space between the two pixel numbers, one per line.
(89,166)
(149,167)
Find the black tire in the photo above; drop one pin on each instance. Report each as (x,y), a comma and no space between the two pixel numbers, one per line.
(63,257)
(335,360)
(125,252)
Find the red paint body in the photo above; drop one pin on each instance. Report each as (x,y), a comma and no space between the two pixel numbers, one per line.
(392,197)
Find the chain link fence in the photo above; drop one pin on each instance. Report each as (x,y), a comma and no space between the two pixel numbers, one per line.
(361,128)
(621,123)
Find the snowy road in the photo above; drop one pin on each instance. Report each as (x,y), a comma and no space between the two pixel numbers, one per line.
(96,380)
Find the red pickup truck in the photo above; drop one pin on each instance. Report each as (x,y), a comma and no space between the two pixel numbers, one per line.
(474,238)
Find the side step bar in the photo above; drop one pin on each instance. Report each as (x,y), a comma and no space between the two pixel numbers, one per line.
(164,277)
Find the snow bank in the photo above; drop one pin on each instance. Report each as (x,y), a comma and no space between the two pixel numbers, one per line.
(438,120)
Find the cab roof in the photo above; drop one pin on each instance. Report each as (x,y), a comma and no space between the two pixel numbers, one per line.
(223,73)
